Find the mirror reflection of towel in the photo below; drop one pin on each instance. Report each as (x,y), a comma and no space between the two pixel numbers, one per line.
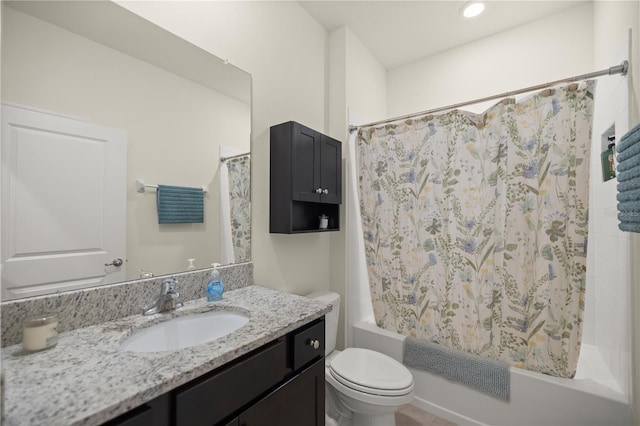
(179,204)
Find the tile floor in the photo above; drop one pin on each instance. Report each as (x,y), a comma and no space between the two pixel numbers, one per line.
(414,416)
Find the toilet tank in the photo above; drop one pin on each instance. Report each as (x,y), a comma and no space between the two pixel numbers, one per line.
(331,318)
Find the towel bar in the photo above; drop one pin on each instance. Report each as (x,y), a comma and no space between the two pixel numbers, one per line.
(141,186)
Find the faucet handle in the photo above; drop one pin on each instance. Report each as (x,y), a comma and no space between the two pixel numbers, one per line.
(168,287)
(168,298)
(168,290)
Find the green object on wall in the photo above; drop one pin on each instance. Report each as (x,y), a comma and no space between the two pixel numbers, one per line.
(608,164)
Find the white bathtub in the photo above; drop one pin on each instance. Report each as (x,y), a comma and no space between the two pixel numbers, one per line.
(536,399)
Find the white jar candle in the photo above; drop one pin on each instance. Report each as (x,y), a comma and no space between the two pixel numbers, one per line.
(39,333)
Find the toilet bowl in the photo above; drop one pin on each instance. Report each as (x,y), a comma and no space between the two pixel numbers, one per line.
(364,387)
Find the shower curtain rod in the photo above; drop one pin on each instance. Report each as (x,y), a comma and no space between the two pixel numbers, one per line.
(618,69)
(231,157)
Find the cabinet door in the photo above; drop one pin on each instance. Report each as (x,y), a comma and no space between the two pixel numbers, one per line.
(305,163)
(298,402)
(211,399)
(331,170)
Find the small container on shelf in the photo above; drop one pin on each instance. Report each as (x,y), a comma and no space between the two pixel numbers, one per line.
(324,221)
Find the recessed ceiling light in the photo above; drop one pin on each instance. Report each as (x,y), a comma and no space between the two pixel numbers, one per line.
(472,9)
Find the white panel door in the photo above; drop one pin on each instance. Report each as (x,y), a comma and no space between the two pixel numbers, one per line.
(63,203)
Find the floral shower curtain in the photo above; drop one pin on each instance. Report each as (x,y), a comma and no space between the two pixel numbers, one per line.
(240,206)
(475,227)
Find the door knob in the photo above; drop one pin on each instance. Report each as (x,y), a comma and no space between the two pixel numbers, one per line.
(116,262)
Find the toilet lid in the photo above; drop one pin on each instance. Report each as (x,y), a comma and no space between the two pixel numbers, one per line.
(371,371)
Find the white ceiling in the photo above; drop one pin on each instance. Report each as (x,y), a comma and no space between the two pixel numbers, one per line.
(400,32)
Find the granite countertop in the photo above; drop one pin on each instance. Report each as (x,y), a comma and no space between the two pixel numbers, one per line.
(85,379)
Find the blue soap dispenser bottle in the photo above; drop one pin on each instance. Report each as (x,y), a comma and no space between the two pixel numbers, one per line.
(215,288)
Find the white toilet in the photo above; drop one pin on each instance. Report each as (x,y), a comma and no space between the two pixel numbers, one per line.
(364,387)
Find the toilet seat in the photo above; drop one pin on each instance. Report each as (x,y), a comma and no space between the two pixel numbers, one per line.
(359,401)
(371,372)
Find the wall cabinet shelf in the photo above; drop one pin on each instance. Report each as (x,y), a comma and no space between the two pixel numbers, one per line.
(306,180)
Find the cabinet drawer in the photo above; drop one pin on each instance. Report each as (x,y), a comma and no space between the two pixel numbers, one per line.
(153,413)
(216,397)
(141,416)
(305,348)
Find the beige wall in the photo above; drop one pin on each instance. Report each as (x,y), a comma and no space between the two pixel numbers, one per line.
(357,83)
(284,49)
(548,49)
(174,128)
(367,81)
(336,127)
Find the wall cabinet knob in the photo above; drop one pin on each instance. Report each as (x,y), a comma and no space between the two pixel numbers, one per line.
(315,344)
(318,190)
(325,191)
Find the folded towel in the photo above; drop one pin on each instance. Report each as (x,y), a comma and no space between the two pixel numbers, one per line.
(628,174)
(629,195)
(485,375)
(179,204)
(629,185)
(629,227)
(629,211)
(629,218)
(629,181)
(629,206)
(629,161)
(628,140)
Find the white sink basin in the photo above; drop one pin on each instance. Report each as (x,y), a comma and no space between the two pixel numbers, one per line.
(183,332)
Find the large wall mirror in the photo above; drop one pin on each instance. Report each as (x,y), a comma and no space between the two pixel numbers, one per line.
(183,117)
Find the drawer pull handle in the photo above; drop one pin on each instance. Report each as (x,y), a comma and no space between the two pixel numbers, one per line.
(315,344)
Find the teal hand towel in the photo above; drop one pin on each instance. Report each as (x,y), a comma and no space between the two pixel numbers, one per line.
(628,174)
(630,161)
(629,181)
(179,204)
(628,147)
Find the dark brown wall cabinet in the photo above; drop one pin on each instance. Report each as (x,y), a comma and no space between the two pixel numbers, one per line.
(306,179)
(280,383)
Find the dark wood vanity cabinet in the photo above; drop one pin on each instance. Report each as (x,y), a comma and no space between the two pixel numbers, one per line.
(305,179)
(280,383)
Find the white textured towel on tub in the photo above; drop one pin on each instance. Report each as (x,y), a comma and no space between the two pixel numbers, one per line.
(480,373)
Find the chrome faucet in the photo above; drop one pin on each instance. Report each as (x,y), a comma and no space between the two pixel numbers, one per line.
(167,300)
